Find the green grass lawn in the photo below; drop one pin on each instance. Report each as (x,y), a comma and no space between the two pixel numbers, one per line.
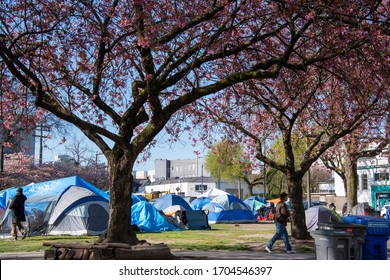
(220,237)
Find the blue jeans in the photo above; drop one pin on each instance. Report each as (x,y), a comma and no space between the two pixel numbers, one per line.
(281,231)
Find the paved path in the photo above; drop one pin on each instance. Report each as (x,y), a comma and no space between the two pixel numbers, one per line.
(187,254)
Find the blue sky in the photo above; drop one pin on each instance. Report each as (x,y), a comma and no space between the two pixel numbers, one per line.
(181,150)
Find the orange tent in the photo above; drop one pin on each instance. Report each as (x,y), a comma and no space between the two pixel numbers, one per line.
(275,200)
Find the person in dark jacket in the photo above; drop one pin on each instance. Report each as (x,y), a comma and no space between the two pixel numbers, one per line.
(280,218)
(18,216)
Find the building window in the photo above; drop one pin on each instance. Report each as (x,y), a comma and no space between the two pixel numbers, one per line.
(384,176)
(199,188)
(364,181)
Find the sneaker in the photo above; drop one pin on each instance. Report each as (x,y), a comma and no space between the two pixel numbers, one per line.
(269,250)
(24,234)
(291,251)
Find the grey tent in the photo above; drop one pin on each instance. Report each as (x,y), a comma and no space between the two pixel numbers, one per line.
(79,211)
(319,214)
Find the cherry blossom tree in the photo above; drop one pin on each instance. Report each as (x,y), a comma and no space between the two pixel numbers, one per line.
(122,71)
(20,170)
(317,107)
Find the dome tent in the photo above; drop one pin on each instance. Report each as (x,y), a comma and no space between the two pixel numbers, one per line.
(199,202)
(71,196)
(319,214)
(213,193)
(227,209)
(169,200)
(78,211)
(230,202)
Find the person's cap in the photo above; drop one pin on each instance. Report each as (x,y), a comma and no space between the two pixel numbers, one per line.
(283,195)
(20,190)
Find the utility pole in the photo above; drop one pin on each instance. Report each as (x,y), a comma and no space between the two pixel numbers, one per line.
(41,137)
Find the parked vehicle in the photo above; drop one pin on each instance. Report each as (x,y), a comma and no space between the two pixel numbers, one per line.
(384,209)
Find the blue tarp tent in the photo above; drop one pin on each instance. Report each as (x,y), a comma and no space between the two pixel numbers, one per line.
(198,203)
(168,200)
(49,188)
(75,202)
(137,198)
(148,219)
(226,209)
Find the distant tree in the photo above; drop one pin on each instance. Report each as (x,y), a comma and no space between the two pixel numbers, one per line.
(20,171)
(80,151)
(226,160)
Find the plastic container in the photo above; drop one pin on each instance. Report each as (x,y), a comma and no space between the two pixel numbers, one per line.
(377,235)
(332,244)
(358,236)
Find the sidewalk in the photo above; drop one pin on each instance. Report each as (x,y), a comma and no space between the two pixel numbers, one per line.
(193,255)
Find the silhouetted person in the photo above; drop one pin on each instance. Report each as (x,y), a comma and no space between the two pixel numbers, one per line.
(18,216)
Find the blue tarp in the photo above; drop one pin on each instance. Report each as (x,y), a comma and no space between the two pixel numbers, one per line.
(137,198)
(49,188)
(168,200)
(148,219)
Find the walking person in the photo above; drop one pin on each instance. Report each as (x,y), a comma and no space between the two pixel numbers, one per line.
(280,218)
(18,216)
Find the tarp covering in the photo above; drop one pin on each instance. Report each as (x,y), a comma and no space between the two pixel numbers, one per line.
(319,214)
(49,188)
(167,200)
(148,219)
(137,198)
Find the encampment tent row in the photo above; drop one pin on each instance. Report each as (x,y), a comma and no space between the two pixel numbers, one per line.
(64,206)
(73,206)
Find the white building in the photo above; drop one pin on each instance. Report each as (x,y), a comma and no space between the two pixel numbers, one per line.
(196,186)
(374,181)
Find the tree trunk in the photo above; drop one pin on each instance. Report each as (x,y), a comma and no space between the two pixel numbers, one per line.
(352,182)
(298,220)
(119,228)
